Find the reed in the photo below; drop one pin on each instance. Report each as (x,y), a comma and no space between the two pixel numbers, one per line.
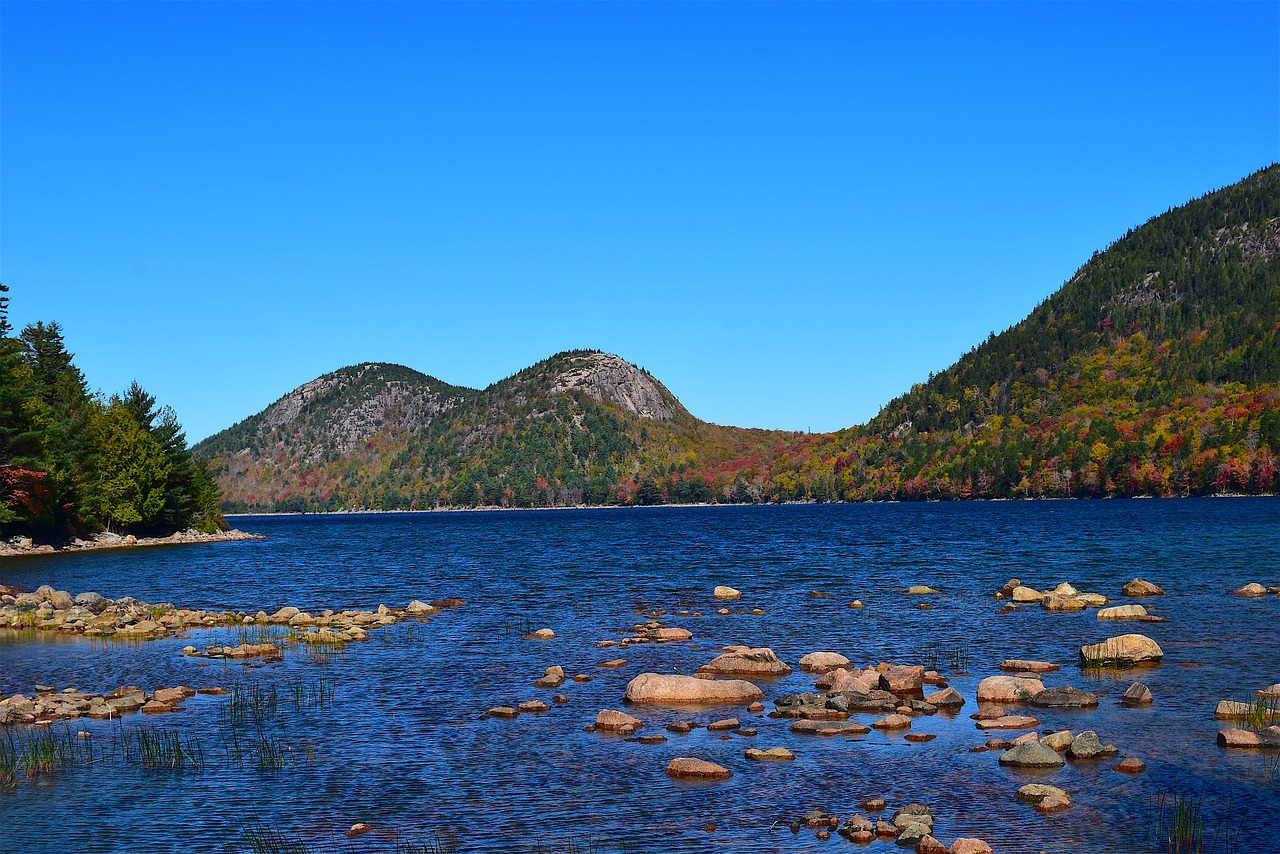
(954,659)
(1177,824)
(251,702)
(315,694)
(1260,712)
(441,843)
(257,838)
(163,749)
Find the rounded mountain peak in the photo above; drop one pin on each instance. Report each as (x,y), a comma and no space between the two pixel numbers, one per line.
(612,379)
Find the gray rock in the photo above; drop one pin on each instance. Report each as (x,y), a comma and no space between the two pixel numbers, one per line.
(95,602)
(1136,694)
(1064,697)
(1087,746)
(1031,754)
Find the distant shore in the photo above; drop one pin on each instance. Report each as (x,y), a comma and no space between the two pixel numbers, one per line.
(24,546)
(492,509)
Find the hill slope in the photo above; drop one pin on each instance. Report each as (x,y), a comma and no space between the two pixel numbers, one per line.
(1155,370)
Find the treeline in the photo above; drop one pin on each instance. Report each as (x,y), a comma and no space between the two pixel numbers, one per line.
(74,463)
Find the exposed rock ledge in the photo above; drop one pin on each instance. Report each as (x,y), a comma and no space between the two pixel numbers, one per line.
(24,546)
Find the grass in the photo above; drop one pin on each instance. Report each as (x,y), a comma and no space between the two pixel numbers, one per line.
(157,611)
(954,659)
(1260,713)
(517,627)
(257,838)
(163,749)
(315,694)
(37,752)
(251,702)
(1177,824)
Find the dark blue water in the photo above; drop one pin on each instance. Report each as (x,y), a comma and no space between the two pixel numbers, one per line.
(407,749)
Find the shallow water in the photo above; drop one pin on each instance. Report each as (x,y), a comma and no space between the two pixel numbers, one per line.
(406,747)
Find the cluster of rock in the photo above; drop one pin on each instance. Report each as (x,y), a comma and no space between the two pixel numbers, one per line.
(94,615)
(48,705)
(1064,597)
(1261,711)
(106,540)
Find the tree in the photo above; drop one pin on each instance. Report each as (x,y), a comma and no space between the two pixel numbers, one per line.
(127,481)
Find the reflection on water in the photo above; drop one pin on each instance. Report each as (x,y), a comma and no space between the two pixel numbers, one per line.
(401,741)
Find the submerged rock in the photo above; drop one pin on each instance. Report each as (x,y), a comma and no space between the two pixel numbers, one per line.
(1250,590)
(1031,754)
(1064,697)
(773,754)
(689,768)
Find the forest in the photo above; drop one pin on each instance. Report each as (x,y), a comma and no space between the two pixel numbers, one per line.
(74,463)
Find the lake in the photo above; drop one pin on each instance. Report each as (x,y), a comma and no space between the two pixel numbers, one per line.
(403,742)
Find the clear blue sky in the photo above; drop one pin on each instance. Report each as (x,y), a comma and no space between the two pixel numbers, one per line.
(789,213)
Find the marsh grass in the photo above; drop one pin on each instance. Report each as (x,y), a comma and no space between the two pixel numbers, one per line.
(252,702)
(517,627)
(257,838)
(954,659)
(260,633)
(313,694)
(40,751)
(163,749)
(1260,712)
(1177,825)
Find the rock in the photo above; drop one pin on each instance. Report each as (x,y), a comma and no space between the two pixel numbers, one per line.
(1268,739)
(773,754)
(155,707)
(1064,697)
(969,845)
(726,724)
(920,590)
(284,615)
(1008,689)
(1054,602)
(723,592)
(613,721)
(808,727)
(359,828)
(173,696)
(893,722)
(1026,594)
(1094,599)
(421,609)
(680,727)
(689,768)
(1122,612)
(900,679)
(1136,694)
(613,663)
(689,690)
(668,634)
(533,706)
(756,707)
(541,634)
(652,739)
(913,834)
(1235,710)
(447,603)
(947,698)
(1138,587)
(1031,754)
(1018,665)
(1058,741)
(1250,590)
(1064,589)
(1273,691)
(856,603)
(1034,793)
(749,662)
(929,845)
(1121,651)
(1087,746)
(1053,803)
(94,602)
(1131,766)
(1009,722)
(552,677)
(822,662)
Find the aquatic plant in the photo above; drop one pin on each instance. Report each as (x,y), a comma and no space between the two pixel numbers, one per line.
(442,843)
(163,749)
(517,627)
(1260,712)
(251,702)
(953,658)
(1177,825)
(314,694)
(258,838)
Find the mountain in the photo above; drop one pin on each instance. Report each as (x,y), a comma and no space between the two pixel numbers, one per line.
(582,426)
(1155,370)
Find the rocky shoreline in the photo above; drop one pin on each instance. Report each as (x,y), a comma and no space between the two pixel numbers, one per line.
(24,546)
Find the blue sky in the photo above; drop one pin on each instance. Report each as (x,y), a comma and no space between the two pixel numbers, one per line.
(789,213)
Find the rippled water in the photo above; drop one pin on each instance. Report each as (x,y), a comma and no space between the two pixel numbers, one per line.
(406,747)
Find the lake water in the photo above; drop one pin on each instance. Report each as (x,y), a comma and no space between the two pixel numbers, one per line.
(405,745)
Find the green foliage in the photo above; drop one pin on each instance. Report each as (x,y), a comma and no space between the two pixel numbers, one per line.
(73,463)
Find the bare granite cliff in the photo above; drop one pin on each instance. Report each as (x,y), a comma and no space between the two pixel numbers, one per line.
(610,379)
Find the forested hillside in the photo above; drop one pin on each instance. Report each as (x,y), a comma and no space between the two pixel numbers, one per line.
(1155,370)
(74,463)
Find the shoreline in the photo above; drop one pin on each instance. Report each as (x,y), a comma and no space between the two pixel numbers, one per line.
(669,506)
(101,542)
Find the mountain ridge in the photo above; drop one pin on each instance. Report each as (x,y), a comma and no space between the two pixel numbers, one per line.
(1155,369)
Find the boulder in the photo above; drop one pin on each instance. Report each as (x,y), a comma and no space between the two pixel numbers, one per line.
(1058,741)
(1136,694)
(723,592)
(1064,697)
(1122,612)
(94,602)
(1009,722)
(902,679)
(1008,689)
(541,634)
(614,721)
(947,698)
(1131,765)
(1026,594)
(1053,803)
(1138,587)
(1065,589)
(968,845)
(893,722)
(1244,739)
(823,662)
(1273,691)
(552,677)
(725,724)
(1054,602)
(1031,754)
(1250,590)
(929,845)
(668,634)
(1021,665)
(1121,651)
(1094,599)
(920,590)
(532,706)
(1087,746)
(421,609)
(1034,793)
(773,754)
(1235,710)
(808,727)
(689,768)
(749,662)
(660,688)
